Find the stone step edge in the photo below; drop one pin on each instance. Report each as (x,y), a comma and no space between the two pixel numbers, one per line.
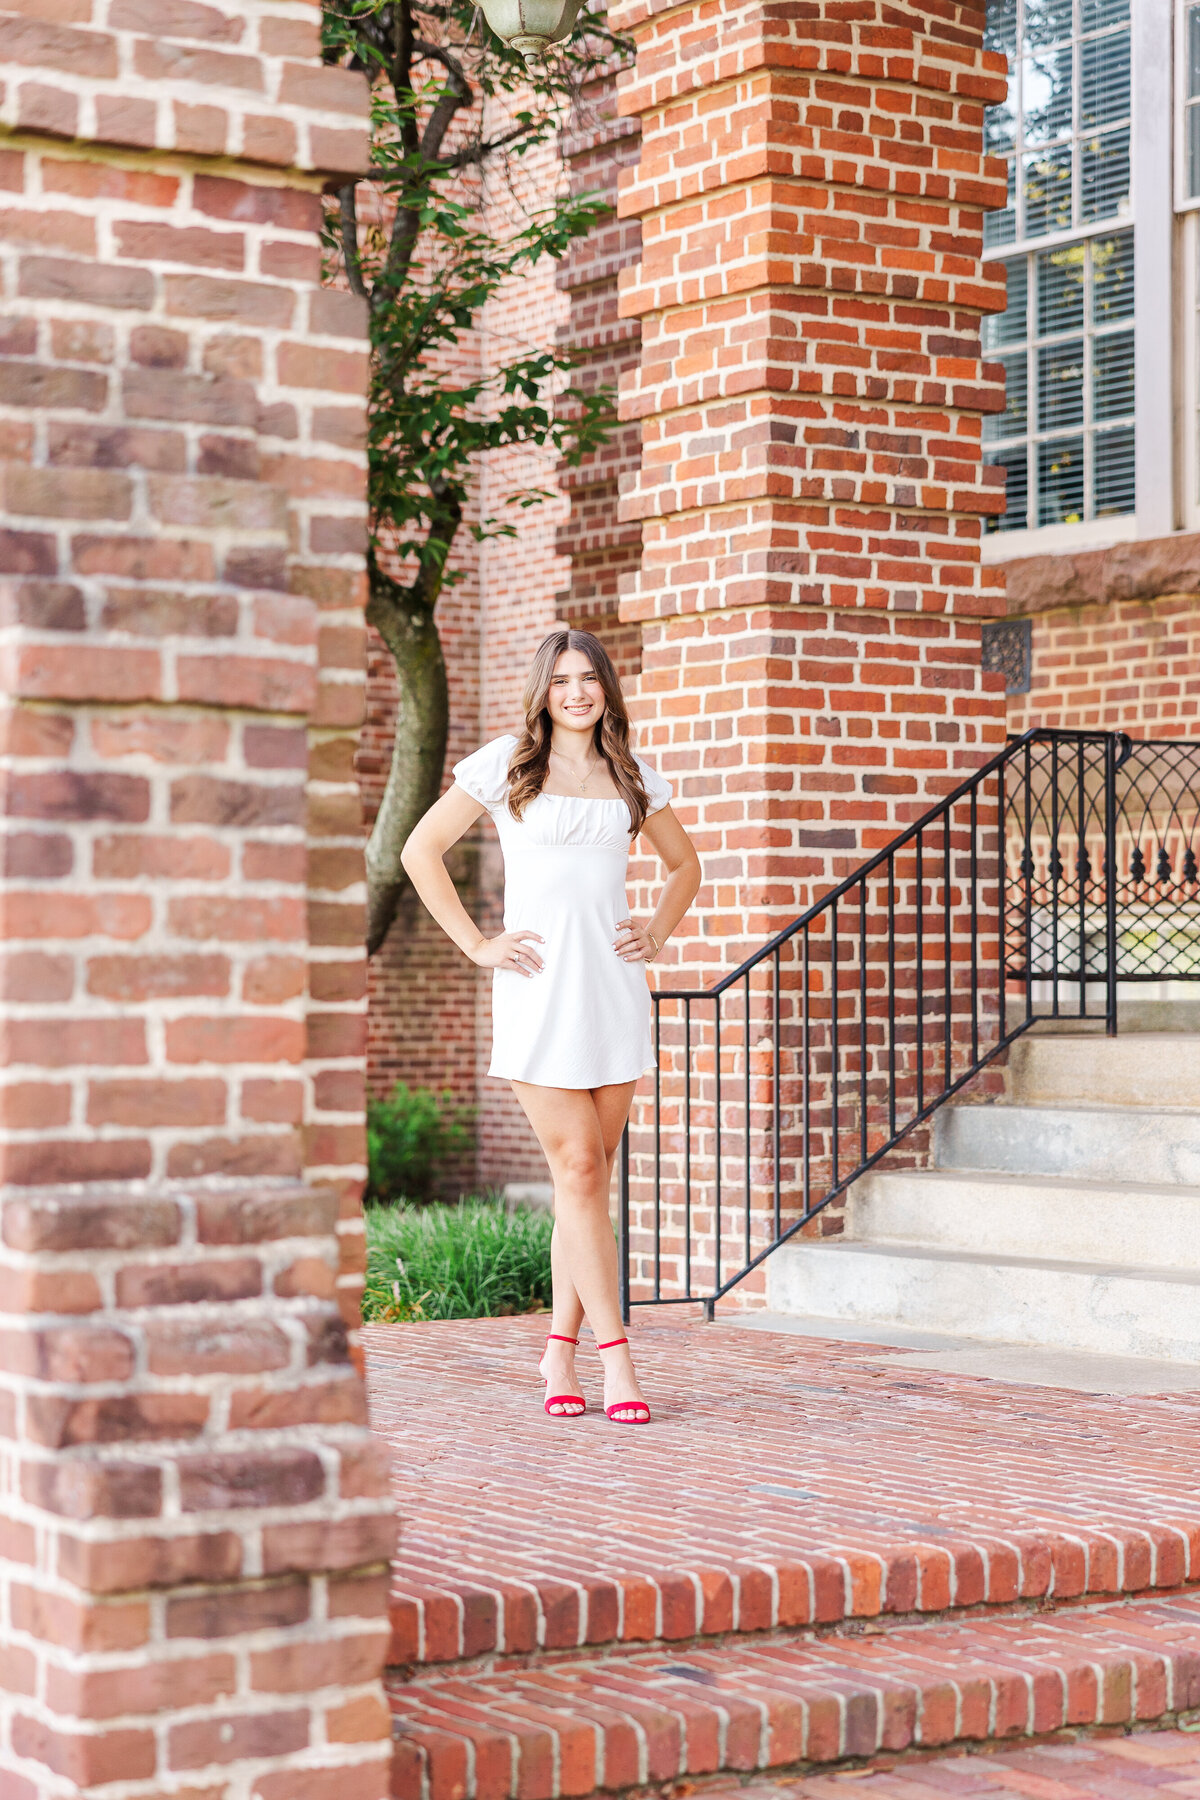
(438,1621)
(1098,1187)
(575,1730)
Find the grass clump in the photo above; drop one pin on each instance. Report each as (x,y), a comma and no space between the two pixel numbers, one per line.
(474,1260)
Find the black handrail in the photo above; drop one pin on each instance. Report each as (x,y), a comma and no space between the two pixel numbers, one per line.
(1034,872)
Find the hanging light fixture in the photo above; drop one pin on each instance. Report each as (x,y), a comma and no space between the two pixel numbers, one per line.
(531,26)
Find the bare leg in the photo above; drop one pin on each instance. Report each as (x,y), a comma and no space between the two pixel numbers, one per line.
(579,1131)
(612,1110)
(568,1307)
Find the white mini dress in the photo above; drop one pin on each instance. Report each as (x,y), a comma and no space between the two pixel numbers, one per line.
(585,1020)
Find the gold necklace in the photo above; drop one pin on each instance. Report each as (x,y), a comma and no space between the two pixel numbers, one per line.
(587,777)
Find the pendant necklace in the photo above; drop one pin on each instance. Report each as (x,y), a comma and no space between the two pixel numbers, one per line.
(587,777)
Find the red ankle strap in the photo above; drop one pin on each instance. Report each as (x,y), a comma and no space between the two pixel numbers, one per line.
(613,1344)
(558,1338)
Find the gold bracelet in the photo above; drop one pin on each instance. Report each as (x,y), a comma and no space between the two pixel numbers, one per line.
(654,941)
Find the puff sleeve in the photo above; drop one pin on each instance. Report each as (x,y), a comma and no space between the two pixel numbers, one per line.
(659,792)
(484,774)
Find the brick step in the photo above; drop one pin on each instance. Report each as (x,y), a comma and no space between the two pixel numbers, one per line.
(621,1722)
(1159,1764)
(439,1617)
(787,1482)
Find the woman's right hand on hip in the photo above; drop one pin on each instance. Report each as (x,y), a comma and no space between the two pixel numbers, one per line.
(512,950)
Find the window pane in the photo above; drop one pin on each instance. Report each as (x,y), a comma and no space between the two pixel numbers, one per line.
(1060,290)
(1060,385)
(1104,175)
(1047,94)
(1112,376)
(1094,15)
(1000,127)
(1192,117)
(1046,21)
(1112,278)
(1104,80)
(1014,420)
(1001,227)
(1048,191)
(1060,482)
(1193,51)
(1115,490)
(1065,340)
(1008,327)
(1001,33)
(1016,515)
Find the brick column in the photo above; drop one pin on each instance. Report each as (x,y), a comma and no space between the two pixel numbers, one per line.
(810,191)
(196,1516)
(602,547)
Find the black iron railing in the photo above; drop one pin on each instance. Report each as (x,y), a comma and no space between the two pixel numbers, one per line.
(1064,866)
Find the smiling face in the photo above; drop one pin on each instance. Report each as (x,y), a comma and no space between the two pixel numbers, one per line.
(575,698)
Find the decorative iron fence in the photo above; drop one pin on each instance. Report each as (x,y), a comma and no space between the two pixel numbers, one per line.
(1069,927)
(793,1075)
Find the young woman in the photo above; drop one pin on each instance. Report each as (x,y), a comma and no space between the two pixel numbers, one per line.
(570,993)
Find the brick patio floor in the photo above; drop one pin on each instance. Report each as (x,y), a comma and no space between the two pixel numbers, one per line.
(785,1481)
(1166,1763)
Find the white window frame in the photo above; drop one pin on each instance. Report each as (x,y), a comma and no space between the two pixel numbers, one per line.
(1187,292)
(1187,336)
(1183,202)
(1152,153)
(1155,32)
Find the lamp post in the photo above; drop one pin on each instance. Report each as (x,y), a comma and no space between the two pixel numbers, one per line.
(530,26)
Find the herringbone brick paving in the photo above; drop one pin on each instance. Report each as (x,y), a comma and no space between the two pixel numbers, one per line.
(785,1481)
(623,1721)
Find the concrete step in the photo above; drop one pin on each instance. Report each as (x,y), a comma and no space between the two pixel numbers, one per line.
(1109,1309)
(1063,1220)
(625,1722)
(1157,1069)
(1113,1143)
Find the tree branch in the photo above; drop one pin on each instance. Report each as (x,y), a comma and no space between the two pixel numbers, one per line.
(349,221)
(477,151)
(480,150)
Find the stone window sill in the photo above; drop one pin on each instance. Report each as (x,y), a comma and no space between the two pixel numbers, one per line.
(1146,569)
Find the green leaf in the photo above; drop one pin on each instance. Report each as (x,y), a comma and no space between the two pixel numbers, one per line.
(433,258)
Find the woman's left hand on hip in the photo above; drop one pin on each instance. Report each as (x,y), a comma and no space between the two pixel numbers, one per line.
(634,942)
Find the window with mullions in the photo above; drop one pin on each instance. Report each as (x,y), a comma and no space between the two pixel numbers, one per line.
(1191,99)
(1065,126)
(1066,343)
(1066,436)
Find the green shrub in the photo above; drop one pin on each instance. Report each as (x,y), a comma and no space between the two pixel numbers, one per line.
(411,1138)
(469,1261)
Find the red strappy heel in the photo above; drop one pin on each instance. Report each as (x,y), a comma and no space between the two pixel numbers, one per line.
(573,1400)
(639,1407)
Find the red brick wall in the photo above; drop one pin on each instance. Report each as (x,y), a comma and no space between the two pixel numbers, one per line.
(1115,639)
(811,490)
(603,548)
(429,1010)
(181,585)
(798,549)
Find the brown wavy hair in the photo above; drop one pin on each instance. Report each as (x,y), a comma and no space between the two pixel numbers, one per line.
(529,763)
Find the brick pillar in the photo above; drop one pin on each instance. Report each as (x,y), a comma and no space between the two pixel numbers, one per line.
(810,190)
(602,546)
(196,1522)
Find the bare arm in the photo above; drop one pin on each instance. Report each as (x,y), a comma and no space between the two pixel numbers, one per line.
(678,853)
(423,857)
